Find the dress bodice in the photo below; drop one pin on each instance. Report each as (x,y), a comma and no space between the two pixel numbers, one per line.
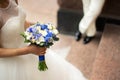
(10,32)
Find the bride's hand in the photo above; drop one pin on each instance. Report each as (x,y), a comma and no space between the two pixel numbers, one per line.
(37,50)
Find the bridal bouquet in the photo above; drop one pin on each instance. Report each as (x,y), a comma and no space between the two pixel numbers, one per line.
(42,35)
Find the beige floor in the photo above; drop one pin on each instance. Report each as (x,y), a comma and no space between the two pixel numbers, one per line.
(40,10)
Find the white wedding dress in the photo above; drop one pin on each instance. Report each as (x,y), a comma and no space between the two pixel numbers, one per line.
(25,67)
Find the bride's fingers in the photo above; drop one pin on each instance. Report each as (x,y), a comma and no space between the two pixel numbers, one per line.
(37,50)
(39,53)
(44,49)
(42,52)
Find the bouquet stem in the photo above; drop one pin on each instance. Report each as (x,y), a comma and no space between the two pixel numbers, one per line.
(42,64)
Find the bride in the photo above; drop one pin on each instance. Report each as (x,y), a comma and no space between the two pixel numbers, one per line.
(16,60)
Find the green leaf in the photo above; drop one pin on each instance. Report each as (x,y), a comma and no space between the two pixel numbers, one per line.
(42,43)
(27,41)
(22,34)
(55,38)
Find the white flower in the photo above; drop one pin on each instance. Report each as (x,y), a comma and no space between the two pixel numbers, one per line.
(53,27)
(33,40)
(55,31)
(49,26)
(43,32)
(37,42)
(28,35)
(41,39)
(38,28)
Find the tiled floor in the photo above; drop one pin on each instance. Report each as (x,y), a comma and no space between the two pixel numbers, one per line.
(40,10)
(107,64)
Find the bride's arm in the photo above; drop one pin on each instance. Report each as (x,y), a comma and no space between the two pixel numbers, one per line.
(9,52)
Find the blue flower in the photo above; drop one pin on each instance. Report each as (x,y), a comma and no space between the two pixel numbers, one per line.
(37,36)
(47,39)
(43,27)
(49,34)
(32,30)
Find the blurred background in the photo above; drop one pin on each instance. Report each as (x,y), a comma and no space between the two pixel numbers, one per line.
(40,10)
(66,14)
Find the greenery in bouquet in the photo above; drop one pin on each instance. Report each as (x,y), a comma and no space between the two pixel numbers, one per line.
(42,35)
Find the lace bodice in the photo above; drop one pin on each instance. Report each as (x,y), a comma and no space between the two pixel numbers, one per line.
(10,32)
